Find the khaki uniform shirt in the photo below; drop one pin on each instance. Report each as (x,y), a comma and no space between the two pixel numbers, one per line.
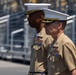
(61,56)
(39,52)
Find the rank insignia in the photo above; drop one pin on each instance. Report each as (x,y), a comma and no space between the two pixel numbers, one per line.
(54,51)
(39,41)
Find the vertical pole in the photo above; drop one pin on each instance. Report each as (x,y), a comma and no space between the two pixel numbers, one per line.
(59,5)
(73,35)
(12,44)
(54,4)
(7,32)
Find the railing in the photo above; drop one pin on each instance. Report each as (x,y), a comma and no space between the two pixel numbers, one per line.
(18,37)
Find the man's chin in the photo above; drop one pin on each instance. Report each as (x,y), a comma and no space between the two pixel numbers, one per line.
(31,26)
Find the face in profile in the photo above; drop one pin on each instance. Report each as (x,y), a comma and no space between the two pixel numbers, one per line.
(52,29)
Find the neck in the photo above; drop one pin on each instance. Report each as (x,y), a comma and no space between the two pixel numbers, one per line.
(56,36)
(39,28)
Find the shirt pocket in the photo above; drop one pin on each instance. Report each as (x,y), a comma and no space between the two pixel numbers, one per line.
(37,44)
(57,65)
(55,58)
(36,47)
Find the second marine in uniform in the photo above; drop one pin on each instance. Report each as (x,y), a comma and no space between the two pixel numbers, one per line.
(42,40)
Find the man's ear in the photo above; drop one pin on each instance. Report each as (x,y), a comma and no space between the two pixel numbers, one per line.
(42,17)
(60,26)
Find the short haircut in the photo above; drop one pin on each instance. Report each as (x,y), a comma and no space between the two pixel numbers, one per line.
(63,24)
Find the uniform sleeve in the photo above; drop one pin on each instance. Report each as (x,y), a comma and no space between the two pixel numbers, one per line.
(69,56)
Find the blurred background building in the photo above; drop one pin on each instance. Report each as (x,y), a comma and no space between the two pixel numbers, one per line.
(66,6)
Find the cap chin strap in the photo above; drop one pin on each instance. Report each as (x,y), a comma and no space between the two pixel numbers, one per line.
(49,20)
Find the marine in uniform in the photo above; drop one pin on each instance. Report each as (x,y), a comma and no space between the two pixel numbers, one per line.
(62,51)
(42,40)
